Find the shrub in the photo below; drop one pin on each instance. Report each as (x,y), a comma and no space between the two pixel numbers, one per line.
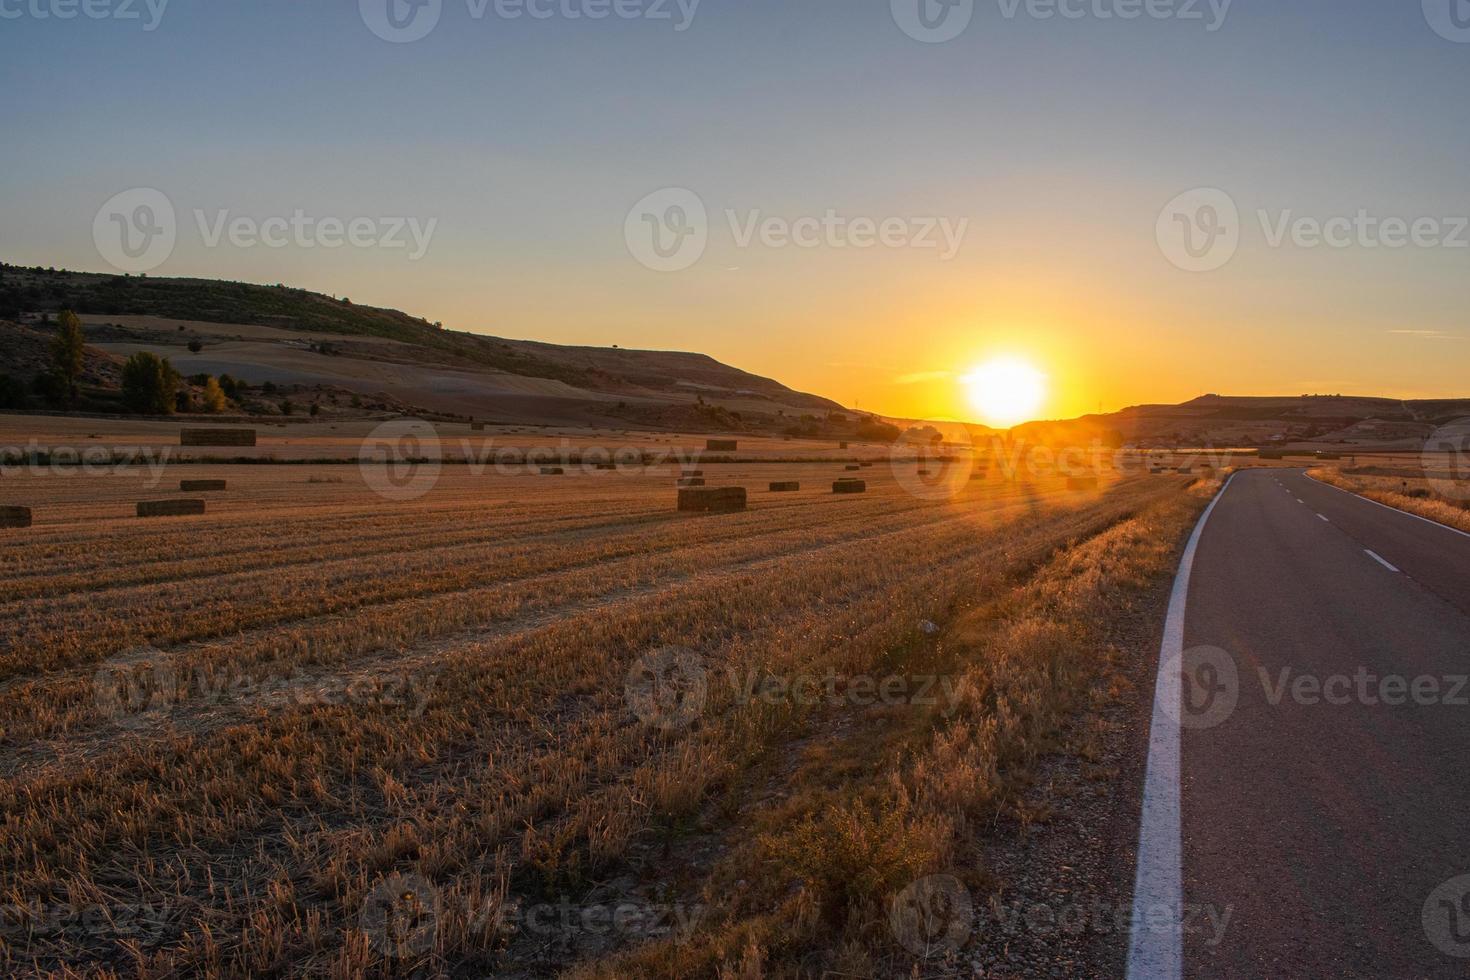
(214,397)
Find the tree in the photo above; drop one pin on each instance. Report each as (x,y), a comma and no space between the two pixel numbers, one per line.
(214,397)
(195,346)
(150,384)
(12,393)
(315,410)
(67,351)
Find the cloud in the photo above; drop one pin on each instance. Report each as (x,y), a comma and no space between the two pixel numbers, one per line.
(1427,334)
(919,377)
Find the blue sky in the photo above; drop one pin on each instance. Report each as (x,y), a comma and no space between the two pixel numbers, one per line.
(527,141)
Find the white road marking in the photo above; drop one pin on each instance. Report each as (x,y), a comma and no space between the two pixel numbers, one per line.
(1379,558)
(1158,954)
(1321,518)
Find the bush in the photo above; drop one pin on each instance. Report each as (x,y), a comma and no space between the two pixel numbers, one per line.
(51,389)
(150,384)
(214,397)
(195,346)
(12,393)
(287,407)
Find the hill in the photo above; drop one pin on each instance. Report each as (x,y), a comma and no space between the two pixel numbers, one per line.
(1227,421)
(304,341)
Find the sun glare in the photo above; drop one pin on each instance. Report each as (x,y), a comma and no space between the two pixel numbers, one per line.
(1006,391)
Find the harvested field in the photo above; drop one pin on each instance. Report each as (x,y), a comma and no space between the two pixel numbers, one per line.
(222,741)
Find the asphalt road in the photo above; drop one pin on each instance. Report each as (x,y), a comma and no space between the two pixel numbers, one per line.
(1321,813)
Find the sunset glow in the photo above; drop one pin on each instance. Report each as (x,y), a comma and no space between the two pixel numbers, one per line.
(1005,391)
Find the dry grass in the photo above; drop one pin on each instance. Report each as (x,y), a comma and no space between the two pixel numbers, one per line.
(254,826)
(1408,490)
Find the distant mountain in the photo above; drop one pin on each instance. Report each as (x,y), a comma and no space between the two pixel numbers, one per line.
(1225,421)
(305,340)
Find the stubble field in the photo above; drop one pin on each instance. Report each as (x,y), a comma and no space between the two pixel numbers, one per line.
(530,725)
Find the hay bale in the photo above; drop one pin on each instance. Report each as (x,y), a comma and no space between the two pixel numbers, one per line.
(712,500)
(200,486)
(721,445)
(1185,470)
(842,445)
(692,481)
(853,469)
(607,466)
(552,471)
(1082,483)
(170,508)
(15,517)
(785,486)
(866,466)
(850,486)
(216,437)
(477,426)
(689,473)
(923,472)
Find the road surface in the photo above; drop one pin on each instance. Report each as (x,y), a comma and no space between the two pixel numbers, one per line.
(1322,802)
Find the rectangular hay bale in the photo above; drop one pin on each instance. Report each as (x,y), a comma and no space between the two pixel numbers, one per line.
(850,486)
(15,517)
(785,486)
(712,500)
(199,486)
(853,469)
(170,508)
(552,471)
(216,437)
(721,445)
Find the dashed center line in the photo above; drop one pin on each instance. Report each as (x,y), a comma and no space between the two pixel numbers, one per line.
(1380,559)
(1321,518)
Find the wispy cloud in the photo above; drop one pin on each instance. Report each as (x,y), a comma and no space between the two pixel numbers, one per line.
(1428,334)
(919,377)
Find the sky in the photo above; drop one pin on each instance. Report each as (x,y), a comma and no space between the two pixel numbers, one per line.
(859,198)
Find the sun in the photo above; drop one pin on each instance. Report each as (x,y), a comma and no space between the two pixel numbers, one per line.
(1006,391)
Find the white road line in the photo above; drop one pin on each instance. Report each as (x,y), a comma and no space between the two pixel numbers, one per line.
(1379,558)
(1375,503)
(1158,954)
(1322,518)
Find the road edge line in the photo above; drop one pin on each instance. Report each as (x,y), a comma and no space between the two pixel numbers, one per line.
(1396,510)
(1158,954)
